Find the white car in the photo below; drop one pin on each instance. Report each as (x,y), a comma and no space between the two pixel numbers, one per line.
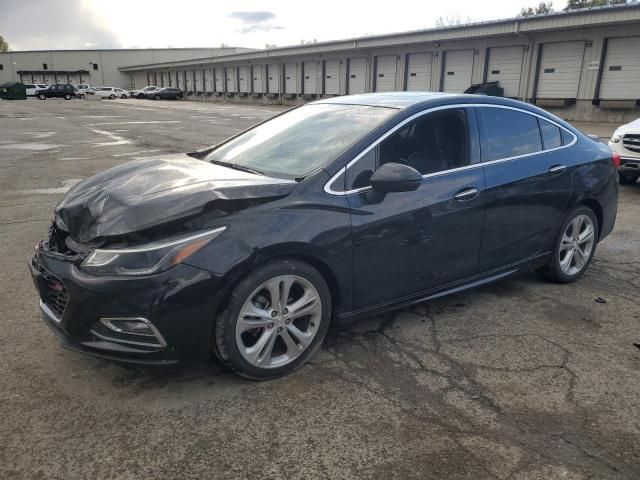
(34,88)
(142,93)
(82,89)
(625,141)
(110,92)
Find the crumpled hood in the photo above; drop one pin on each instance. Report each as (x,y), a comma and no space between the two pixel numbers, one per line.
(146,193)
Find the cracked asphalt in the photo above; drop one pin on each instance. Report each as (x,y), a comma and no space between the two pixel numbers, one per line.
(517,380)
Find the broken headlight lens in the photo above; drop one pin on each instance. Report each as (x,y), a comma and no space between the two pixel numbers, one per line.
(149,258)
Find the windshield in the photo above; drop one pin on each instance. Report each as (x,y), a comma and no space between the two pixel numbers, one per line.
(298,142)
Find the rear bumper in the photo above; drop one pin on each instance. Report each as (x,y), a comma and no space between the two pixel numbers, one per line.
(180,304)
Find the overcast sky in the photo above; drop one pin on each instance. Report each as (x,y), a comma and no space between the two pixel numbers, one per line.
(65,24)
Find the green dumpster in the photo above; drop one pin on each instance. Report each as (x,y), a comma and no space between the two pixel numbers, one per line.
(13,91)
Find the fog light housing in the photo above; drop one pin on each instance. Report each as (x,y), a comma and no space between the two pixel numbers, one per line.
(133,331)
(139,327)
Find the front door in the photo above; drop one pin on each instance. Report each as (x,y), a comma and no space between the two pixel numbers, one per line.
(411,242)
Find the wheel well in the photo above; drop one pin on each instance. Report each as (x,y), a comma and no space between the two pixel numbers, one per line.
(597,209)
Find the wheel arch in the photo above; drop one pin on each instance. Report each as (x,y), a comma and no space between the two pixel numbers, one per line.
(595,206)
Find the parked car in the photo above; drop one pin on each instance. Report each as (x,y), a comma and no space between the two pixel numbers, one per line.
(340,209)
(107,92)
(166,93)
(58,91)
(34,88)
(82,89)
(141,93)
(121,93)
(626,143)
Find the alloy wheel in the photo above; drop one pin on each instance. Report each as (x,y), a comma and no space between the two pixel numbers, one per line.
(278,321)
(576,245)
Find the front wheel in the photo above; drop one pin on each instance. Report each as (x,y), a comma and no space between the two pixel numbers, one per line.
(275,320)
(67,96)
(627,179)
(42,96)
(156,97)
(112,97)
(574,248)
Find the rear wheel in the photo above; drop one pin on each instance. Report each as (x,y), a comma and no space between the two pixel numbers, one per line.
(574,248)
(123,96)
(140,95)
(42,96)
(275,320)
(626,179)
(67,96)
(157,97)
(112,97)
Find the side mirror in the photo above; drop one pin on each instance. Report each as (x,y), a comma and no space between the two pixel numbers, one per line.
(396,177)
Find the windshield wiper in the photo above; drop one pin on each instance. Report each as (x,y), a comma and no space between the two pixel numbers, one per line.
(235,166)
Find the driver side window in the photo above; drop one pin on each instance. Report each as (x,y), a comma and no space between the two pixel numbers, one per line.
(432,143)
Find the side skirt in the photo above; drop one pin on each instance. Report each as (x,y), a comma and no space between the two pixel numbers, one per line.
(471,282)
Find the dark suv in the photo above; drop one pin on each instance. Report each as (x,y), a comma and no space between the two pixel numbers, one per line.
(167,93)
(58,91)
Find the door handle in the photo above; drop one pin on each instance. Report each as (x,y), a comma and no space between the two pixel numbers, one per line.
(466,194)
(557,169)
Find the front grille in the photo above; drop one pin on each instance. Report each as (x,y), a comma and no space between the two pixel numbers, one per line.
(632,142)
(149,342)
(55,295)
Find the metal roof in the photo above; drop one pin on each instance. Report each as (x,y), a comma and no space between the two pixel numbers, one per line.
(581,18)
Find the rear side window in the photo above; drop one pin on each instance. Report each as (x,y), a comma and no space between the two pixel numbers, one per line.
(551,135)
(507,133)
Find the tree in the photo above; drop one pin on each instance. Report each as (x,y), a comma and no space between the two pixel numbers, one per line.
(4,46)
(453,21)
(576,4)
(541,9)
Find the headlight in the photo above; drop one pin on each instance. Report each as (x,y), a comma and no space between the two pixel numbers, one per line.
(616,137)
(149,258)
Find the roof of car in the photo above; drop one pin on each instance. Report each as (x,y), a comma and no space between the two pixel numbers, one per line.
(401,100)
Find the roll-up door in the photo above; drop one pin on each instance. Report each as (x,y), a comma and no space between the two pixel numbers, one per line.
(230,73)
(357,75)
(505,66)
(218,75)
(458,69)
(332,77)
(621,71)
(74,78)
(273,78)
(386,67)
(244,79)
(149,78)
(199,81)
(310,81)
(163,79)
(208,80)
(560,68)
(419,71)
(181,84)
(258,78)
(189,83)
(291,77)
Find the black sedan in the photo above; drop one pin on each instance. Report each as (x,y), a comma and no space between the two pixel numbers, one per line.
(339,209)
(166,93)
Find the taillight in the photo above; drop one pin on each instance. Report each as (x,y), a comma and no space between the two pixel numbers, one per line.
(615,159)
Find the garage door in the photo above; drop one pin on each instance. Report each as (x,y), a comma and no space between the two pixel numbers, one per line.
(419,71)
(273,78)
(560,68)
(230,77)
(291,77)
(310,84)
(74,78)
(621,71)
(218,76)
(190,85)
(357,74)
(258,78)
(458,67)
(386,67)
(244,79)
(505,66)
(199,81)
(332,77)
(208,80)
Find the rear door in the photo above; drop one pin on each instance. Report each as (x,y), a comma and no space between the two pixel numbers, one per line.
(528,181)
(411,242)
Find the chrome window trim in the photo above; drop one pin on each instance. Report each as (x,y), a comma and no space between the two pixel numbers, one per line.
(328,185)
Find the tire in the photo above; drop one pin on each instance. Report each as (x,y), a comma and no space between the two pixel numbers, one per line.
(67,96)
(112,97)
(156,97)
(179,97)
(140,95)
(82,96)
(42,96)
(558,270)
(287,340)
(123,96)
(627,179)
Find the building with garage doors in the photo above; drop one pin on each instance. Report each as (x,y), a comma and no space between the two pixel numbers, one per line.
(582,64)
(95,67)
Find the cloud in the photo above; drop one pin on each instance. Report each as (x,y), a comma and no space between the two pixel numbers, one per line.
(53,24)
(255,21)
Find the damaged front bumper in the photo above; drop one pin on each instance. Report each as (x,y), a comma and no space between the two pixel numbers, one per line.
(178,306)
